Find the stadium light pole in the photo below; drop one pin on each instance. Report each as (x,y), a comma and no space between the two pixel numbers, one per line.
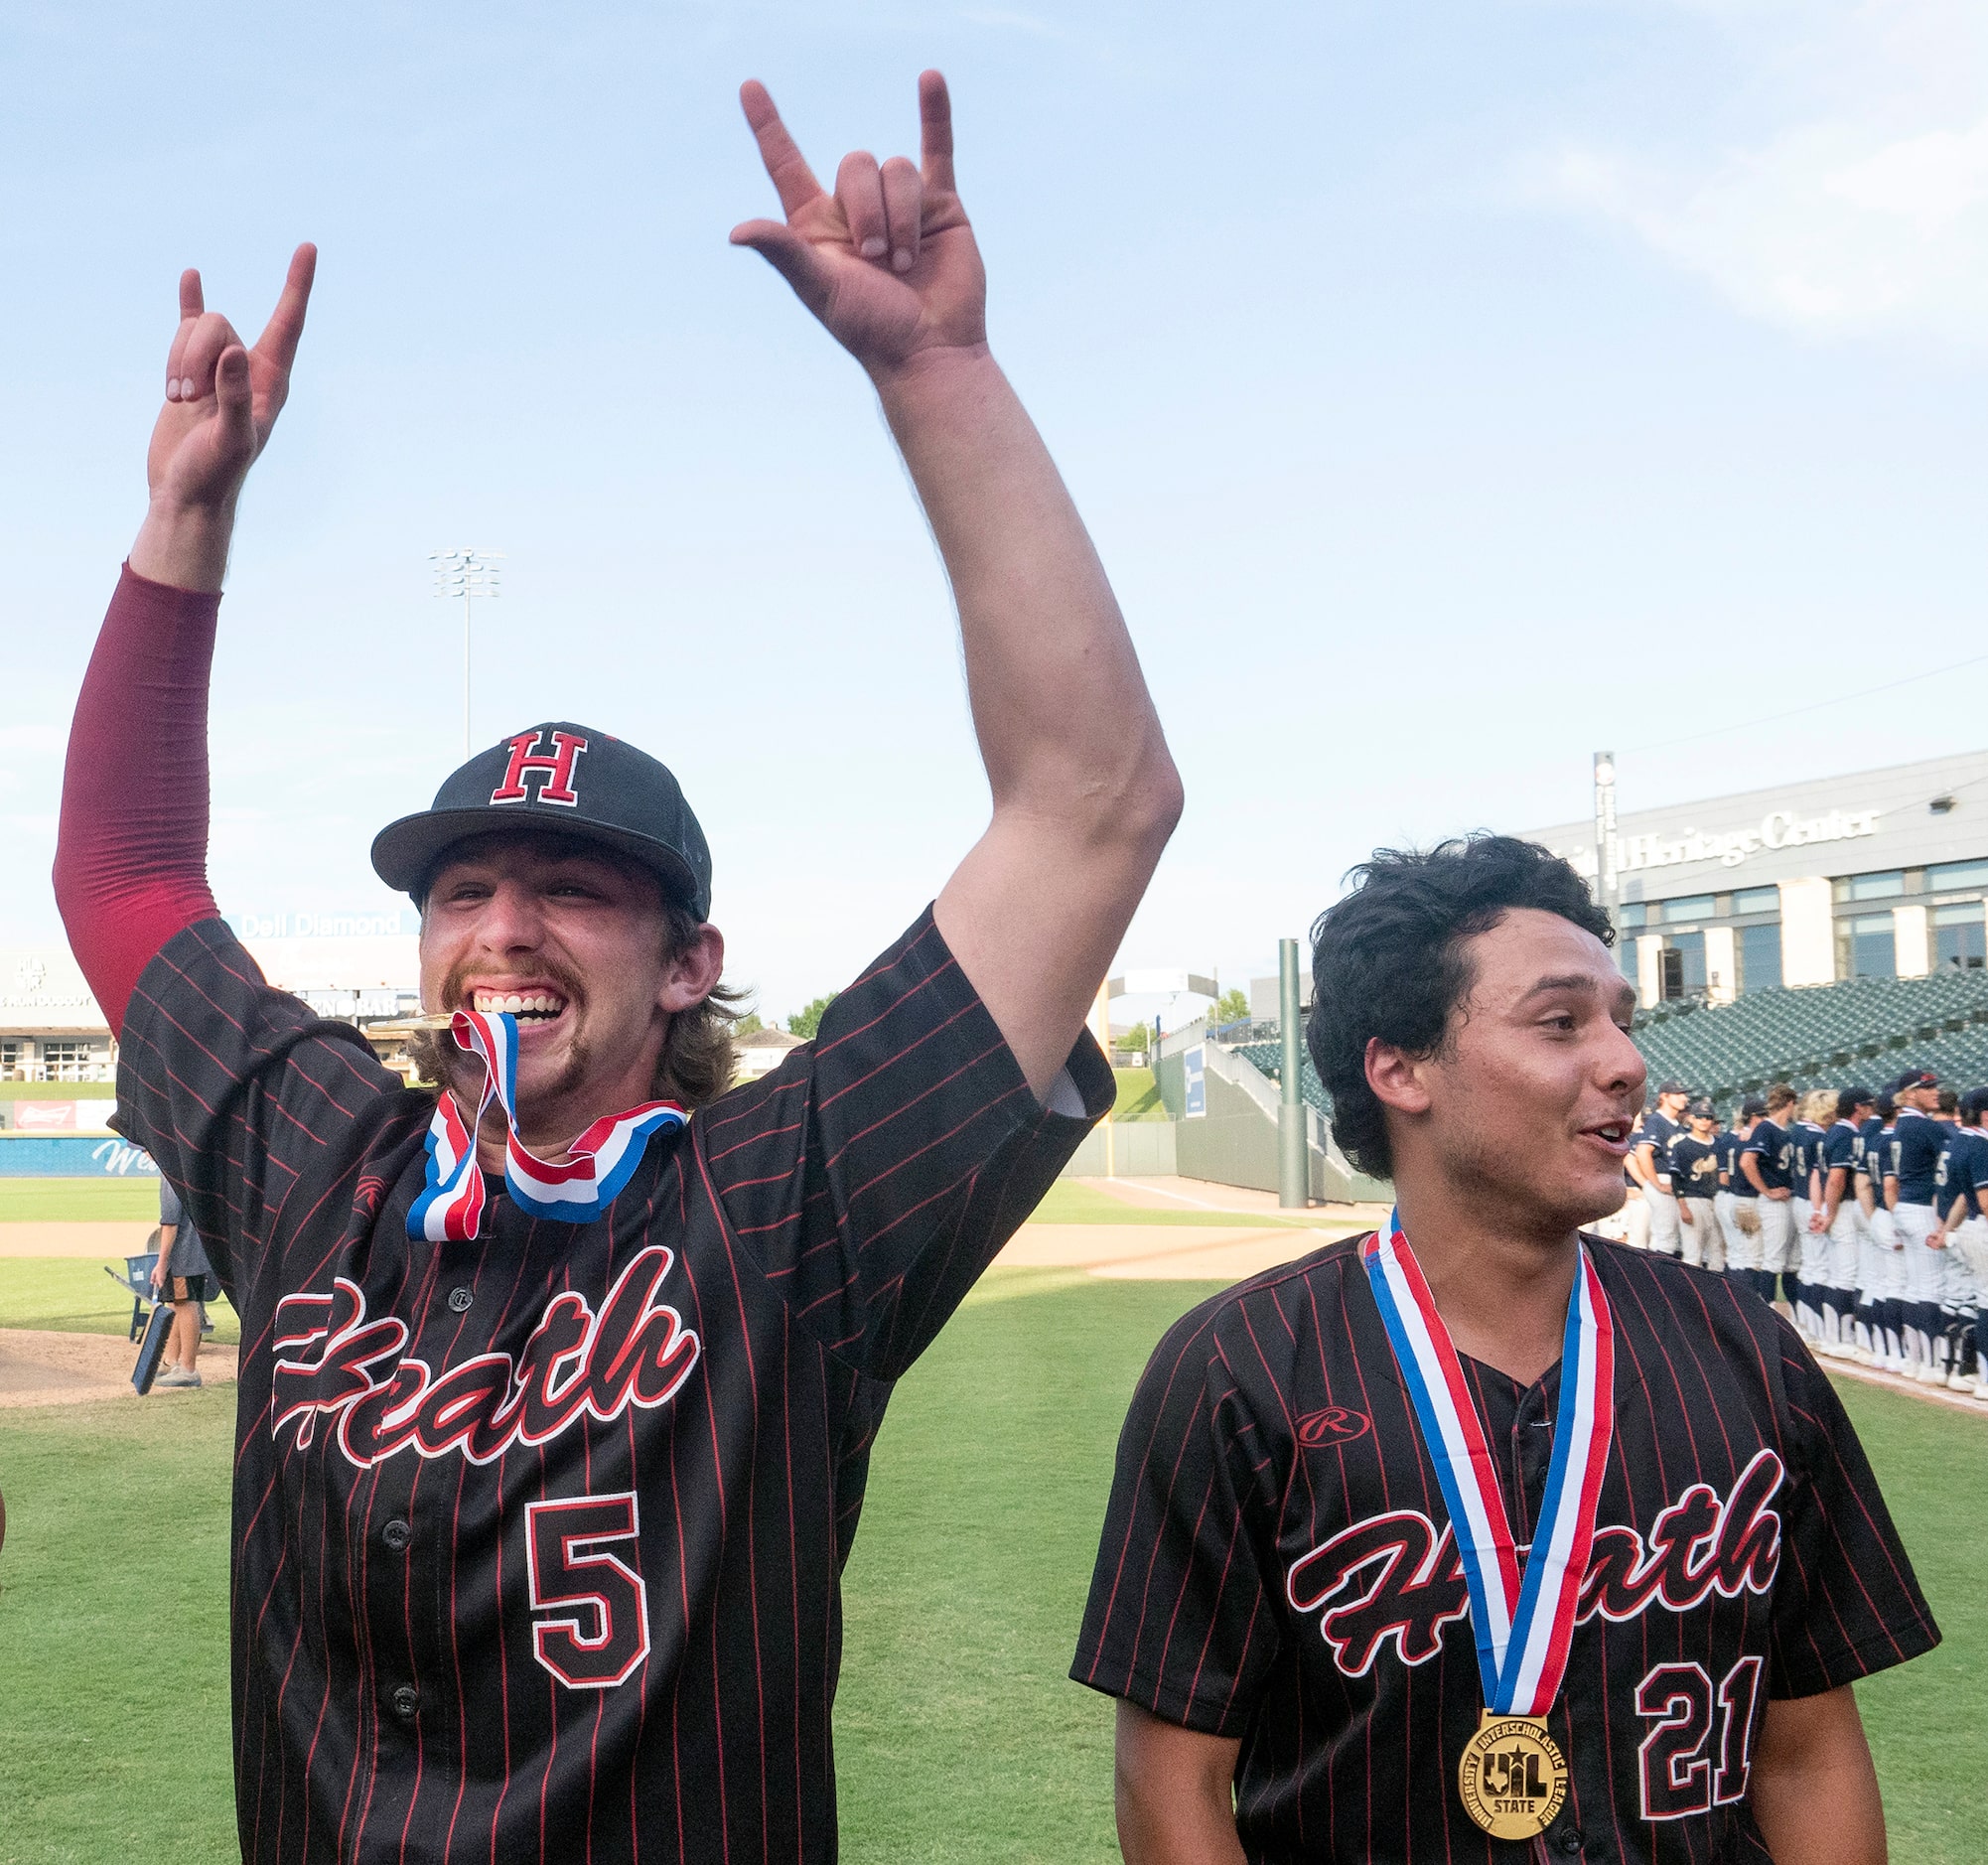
(1293,1178)
(1605,833)
(467,574)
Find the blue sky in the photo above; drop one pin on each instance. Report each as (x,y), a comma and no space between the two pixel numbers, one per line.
(1451,390)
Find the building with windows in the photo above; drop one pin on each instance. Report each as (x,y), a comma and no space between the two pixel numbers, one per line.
(357,967)
(1878,875)
(51,1029)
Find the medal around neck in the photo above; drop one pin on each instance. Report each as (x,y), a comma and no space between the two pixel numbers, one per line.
(1512,1777)
(603,1158)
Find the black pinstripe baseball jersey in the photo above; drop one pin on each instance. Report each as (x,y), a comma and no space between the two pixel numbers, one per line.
(1278,1567)
(537,1537)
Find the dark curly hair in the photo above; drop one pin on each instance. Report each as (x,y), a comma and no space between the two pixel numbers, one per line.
(1388,961)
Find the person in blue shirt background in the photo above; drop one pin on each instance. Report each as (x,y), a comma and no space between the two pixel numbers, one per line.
(1812,1249)
(1694,1181)
(1743,1222)
(1838,1223)
(1881,1263)
(1968,1245)
(1911,1166)
(1766,1161)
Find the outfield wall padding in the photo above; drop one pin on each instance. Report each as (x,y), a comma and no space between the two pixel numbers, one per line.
(72,1156)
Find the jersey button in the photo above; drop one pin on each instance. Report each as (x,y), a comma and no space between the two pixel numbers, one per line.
(459,1300)
(1568,1840)
(396,1534)
(406,1703)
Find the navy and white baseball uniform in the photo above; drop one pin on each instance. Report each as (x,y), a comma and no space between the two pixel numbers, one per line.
(538,1535)
(1725,1203)
(1953,1184)
(1694,1175)
(1694,1167)
(1657,1132)
(1914,1160)
(1773,1148)
(1277,1567)
(1842,1147)
(1913,1163)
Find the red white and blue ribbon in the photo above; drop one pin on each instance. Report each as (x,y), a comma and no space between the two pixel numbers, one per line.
(602,1159)
(1523,1622)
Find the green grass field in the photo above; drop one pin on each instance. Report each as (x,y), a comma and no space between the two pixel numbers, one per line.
(78,1200)
(960,1738)
(72,1295)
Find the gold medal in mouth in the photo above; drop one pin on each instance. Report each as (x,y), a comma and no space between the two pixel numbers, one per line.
(413,1025)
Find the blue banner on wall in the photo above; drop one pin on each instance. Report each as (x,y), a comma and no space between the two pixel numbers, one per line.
(73,1156)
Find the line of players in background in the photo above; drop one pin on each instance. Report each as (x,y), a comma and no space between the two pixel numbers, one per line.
(1866,1213)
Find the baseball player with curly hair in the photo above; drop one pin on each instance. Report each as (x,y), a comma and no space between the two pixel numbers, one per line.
(1479,1538)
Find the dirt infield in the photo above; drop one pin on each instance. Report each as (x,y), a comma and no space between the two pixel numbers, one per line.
(100,1242)
(44,1368)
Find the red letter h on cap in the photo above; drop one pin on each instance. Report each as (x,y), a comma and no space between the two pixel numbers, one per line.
(556,785)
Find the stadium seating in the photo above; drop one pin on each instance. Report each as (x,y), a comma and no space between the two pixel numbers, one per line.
(1268,1058)
(1829,1035)
(1863,1030)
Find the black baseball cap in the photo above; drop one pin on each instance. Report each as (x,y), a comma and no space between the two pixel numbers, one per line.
(1702,1109)
(1674,1087)
(1753,1108)
(1914,1078)
(567,780)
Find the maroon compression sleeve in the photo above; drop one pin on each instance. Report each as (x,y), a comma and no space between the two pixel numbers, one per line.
(131,857)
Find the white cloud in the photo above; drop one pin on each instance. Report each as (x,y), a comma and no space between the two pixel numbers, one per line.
(1851,195)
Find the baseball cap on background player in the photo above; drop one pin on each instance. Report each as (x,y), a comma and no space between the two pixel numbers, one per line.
(1753,1108)
(1702,1108)
(1674,1087)
(565,780)
(1914,1078)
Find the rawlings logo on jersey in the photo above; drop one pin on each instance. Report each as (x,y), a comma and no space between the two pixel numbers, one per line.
(1394,1578)
(338,1364)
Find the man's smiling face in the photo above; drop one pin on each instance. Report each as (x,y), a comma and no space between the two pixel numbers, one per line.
(574,941)
(1535,1090)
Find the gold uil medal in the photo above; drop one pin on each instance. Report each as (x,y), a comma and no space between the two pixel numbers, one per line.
(1512,1777)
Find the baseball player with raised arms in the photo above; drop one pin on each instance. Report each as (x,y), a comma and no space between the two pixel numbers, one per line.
(1478,1538)
(557,1392)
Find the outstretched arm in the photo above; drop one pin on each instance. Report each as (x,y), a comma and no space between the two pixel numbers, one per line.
(131,859)
(1084,791)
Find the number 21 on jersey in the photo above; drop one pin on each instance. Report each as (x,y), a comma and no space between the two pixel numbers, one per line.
(1679,1777)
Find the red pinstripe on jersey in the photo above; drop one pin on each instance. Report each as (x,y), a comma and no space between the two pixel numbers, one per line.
(820,1225)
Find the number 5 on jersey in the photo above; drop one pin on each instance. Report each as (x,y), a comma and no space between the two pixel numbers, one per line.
(594,1627)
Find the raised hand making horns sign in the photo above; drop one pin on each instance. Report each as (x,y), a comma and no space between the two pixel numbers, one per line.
(887,261)
(222,401)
